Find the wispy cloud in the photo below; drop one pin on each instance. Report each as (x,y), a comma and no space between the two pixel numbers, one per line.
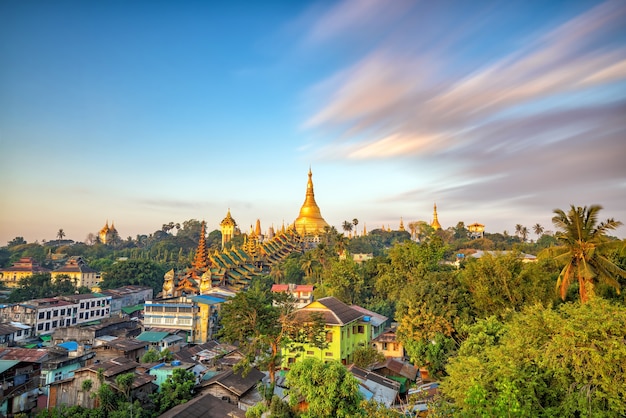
(534,121)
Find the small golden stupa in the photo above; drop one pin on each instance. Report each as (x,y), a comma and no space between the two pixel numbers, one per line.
(435,223)
(310,220)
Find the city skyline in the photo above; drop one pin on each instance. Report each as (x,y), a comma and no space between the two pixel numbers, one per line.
(144,113)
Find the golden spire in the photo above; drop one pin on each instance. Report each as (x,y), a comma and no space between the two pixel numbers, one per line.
(310,219)
(435,223)
(364,229)
(401,224)
(257,228)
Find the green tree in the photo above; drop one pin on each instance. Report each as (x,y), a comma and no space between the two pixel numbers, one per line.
(177,389)
(251,320)
(543,362)
(328,389)
(366,355)
(583,249)
(135,272)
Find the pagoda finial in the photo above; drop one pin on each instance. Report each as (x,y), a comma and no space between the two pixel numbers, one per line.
(435,223)
(201,260)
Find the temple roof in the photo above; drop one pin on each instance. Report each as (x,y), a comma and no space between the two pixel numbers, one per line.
(310,220)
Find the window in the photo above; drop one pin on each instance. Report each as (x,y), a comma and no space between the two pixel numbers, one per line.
(19,333)
(291,360)
(384,346)
(40,327)
(310,353)
(93,303)
(55,313)
(329,354)
(41,315)
(329,337)
(48,315)
(361,329)
(62,311)
(47,326)
(55,324)
(82,305)
(73,320)
(81,315)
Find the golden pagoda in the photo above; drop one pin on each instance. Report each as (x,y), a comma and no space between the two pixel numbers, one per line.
(435,223)
(310,221)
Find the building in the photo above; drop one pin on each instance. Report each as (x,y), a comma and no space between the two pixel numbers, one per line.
(127,296)
(346,328)
(310,223)
(476,230)
(62,361)
(88,333)
(228,227)
(131,348)
(161,340)
(48,314)
(378,322)
(7,335)
(193,316)
(235,387)
(79,272)
(71,391)
(20,377)
(108,235)
(376,387)
(24,267)
(388,344)
(302,293)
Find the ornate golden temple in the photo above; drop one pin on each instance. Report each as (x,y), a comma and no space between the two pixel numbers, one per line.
(310,220)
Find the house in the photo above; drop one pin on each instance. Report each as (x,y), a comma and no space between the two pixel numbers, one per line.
(88,333)
(130,348)
(162,371)
(384,391)
(346,328)
(208,353)
(62,361)
(378,321)
(79,272)
(7,335)
(161,340)
(72,391)
(195,316)
(388,344)
(128,296)
(24,331)
(23,268)
(204,406)
(20,371)
(235,388)
(302,293)
(398,370)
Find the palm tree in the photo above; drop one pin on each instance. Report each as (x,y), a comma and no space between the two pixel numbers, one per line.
(347,226)
(538,229)
(355,222)
(584,243)
(523,233)
(60,234)
(276,273)
(518,230)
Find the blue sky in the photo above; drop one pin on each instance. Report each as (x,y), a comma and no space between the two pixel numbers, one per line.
(144,113)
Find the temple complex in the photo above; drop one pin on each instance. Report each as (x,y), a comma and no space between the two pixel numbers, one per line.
(310,222)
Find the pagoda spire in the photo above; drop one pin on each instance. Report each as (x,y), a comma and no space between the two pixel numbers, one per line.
(201,260)
(435,223)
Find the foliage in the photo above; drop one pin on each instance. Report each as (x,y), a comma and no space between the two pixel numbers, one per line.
(328,389)
(134,272)
(177,389)
(151,356)
(373,409)
(583,250)
(40,286)
(343,280)
(433,353)
(366,355)
(503,281)
(543,362)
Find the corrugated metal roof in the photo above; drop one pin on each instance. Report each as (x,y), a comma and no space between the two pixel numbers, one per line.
(7,364)
(152,336)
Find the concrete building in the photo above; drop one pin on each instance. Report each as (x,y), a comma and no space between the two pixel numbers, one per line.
(48,314)
(24,267)
(127,296)
(79,272)
(195,316)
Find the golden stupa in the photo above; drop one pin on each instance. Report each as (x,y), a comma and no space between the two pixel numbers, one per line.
(435,223)
(310,221)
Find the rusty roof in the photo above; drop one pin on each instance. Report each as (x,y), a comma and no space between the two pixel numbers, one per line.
(29,355)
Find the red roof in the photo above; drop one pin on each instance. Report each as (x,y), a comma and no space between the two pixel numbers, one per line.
(280,287)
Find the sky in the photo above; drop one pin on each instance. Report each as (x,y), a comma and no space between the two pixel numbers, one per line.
(146,112)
